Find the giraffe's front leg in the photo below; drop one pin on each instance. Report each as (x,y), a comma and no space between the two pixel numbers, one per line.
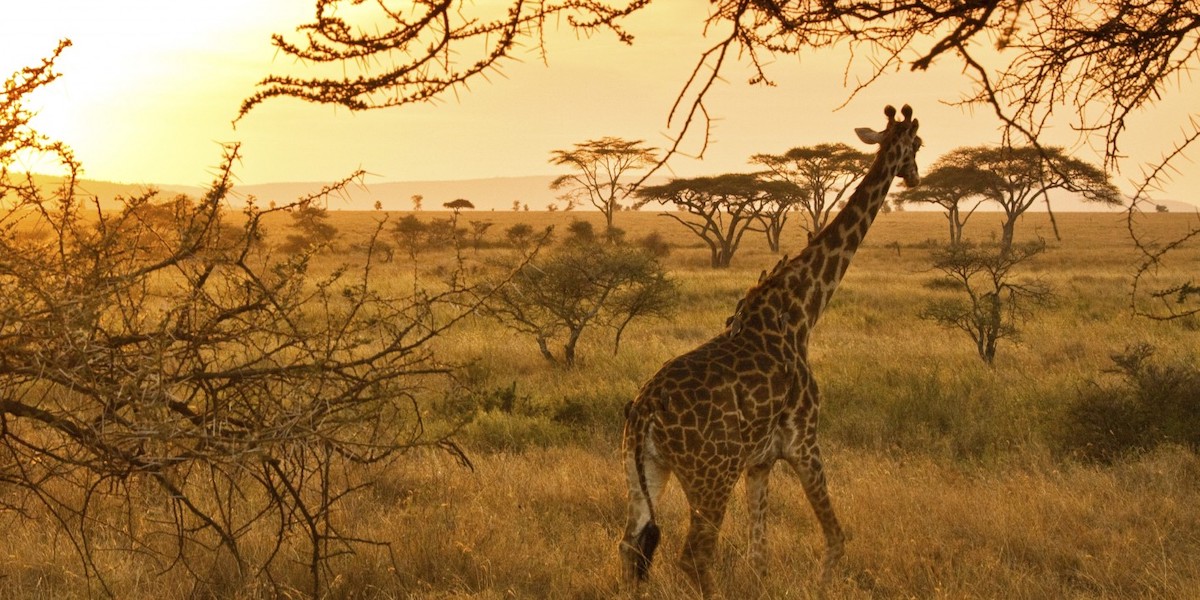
(757,478)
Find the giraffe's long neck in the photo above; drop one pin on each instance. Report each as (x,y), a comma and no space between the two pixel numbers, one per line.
(825,261)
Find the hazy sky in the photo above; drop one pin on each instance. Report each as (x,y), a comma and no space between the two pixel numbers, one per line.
(150,88)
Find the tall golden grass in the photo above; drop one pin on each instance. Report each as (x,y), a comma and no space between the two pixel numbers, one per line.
(945,472)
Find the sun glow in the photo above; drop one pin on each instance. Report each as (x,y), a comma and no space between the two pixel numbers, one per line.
(146,87)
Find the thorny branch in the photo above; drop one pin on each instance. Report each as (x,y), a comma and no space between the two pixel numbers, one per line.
(172,388)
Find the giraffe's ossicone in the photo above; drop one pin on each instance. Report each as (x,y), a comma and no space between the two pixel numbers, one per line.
(746,398)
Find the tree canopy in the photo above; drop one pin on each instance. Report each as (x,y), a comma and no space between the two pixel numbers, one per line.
(823,173)
(1016,178)
(725,207)
(949,185)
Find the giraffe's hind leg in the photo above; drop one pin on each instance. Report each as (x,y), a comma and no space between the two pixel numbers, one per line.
(641,532)
(708,499)
(756,501)
(812,476)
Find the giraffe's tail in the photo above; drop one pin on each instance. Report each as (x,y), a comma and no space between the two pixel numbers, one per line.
(642,534)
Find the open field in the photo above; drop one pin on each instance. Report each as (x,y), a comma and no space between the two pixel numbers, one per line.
(950,476)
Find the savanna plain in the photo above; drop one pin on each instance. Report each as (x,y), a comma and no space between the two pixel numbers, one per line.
(954,479)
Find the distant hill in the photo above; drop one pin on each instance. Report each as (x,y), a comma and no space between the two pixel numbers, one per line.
(497,193)
(107,192)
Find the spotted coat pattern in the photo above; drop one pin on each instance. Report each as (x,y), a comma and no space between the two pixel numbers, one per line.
(746,398)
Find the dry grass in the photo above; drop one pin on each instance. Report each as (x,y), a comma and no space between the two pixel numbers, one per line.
(944,471)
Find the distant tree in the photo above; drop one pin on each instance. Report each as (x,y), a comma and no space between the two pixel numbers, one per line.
(1016,178)
(995,303)
(557,296)
(516,205)
(458,205)
(823,173)
(1162,208)
(604,172)
(520,236)
(581,232)
(724,208)
(378,205)
(310,228)
(948,185)
(781,198)
(417,199)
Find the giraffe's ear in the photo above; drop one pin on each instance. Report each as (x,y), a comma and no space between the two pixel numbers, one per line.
(868,135)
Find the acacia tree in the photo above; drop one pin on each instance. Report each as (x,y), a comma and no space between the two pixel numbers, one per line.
(1028,61)
(1016,178)
(725,207)
(602,169)
(948,185)
(176,368)
(774,214)
(995,301)
(823,173)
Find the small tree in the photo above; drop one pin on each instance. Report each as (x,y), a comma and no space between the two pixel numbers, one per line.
(417,199)
(822,174)
(478,230)
(602,169)
(995,303)
(410,233)
(724,207)
(555,297)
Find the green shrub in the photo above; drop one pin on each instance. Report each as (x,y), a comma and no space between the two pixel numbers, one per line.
(589,410)
(495,431)
(1147,405)
(656,244)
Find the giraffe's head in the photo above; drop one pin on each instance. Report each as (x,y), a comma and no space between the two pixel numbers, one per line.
(898,143)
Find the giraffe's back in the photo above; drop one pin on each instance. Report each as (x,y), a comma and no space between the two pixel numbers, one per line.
(717,406)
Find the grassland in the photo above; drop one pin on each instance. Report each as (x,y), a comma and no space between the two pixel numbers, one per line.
(948,474)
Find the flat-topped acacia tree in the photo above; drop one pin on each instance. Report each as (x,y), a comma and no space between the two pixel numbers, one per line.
(721,209)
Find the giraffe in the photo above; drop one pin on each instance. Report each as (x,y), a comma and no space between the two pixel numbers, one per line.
(747,398)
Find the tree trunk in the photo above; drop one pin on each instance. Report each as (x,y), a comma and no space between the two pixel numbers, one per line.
(544,346)
(955,226)
(1006,233)
(569,347)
